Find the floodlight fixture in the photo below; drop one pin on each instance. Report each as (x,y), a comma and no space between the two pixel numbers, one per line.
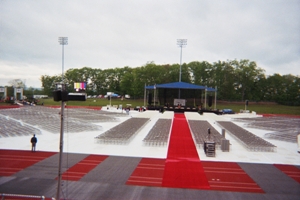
(181,42)
(63,40)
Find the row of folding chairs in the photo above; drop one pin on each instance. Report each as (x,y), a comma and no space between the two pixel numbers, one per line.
(49,119)
(123,132)
(199,129)
(287,135)
(272,123)
(246,138)
(13,128)
(159,133)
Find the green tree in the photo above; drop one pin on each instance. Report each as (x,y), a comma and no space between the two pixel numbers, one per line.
(17,83)
(126,84)
(77,76)
(247,73)
(49,83)
(97,79)
(201,73)
(224,77)
(288,92)
(235,80)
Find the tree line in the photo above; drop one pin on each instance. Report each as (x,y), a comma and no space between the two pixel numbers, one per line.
(235,80)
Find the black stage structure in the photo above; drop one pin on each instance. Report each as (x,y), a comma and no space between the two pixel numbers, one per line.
(180,97)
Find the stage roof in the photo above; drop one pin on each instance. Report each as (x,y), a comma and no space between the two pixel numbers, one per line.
(179,85)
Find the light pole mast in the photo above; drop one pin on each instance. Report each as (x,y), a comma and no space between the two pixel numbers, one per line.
(62,41)
(181,43)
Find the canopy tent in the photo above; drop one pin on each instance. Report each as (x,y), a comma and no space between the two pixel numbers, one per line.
(179,86)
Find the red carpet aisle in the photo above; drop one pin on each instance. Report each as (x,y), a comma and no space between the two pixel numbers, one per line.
(183,168)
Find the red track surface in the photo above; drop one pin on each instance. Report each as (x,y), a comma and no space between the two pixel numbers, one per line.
(76,172)
(13,161)
(280,115)
(222,176)
(290,170)
(228,176)
(149,172)
(9,106)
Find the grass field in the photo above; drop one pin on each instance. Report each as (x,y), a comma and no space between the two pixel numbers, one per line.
(260,108)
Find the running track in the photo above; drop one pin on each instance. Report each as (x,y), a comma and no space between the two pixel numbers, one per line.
(221,176)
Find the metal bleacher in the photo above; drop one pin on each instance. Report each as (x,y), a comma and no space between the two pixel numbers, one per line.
(122,133)
(159,133)
(246,138)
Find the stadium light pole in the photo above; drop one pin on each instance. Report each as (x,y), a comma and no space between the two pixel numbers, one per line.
(62,41)
(181,43)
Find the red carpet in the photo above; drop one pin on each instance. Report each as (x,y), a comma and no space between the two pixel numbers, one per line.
(149,172)
(13,161)
(228,176)
(290,170)
(183,168)
(76,172)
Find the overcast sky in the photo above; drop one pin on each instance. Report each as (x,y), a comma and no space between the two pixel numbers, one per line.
(116,33)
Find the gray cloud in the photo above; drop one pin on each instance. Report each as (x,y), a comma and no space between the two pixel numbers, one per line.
(108,34)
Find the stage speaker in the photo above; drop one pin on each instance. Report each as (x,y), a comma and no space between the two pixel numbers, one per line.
(77,96)
(64,96)
(209,101)
(246,102)
(59,95)
(150,99)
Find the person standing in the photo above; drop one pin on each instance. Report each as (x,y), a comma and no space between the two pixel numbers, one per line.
(208,132)
(33,142)
(298,141)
